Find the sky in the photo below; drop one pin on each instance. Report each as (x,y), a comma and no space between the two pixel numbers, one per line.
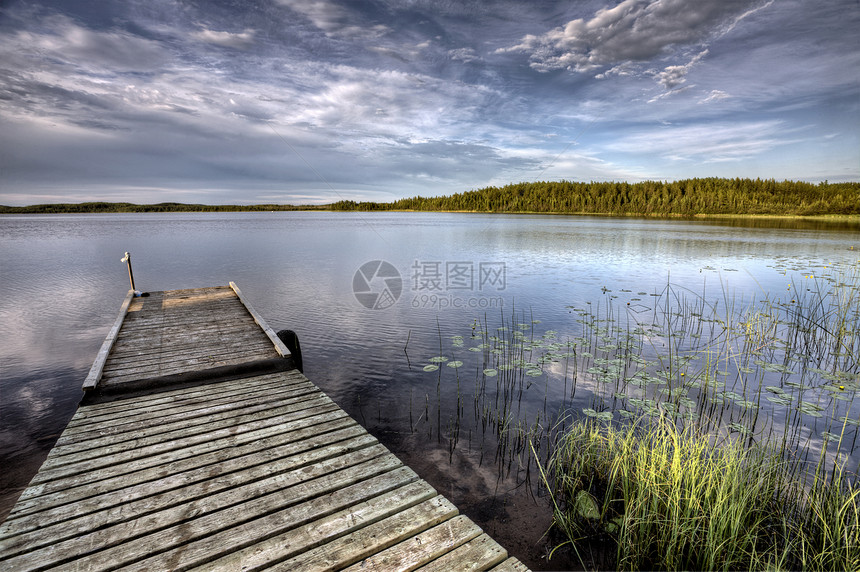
(315,101)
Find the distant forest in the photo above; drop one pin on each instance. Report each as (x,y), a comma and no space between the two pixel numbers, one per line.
(690,197)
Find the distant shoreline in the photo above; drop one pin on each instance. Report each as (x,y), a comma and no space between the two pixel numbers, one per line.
(710,198)
(846,221)
(29,210)
(145,209)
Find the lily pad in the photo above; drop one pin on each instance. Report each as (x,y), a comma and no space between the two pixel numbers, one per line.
(784,400)
(586,506)
(431,367)
(811,409)
(739,428)
(614,525)
(455,364)
(687,402)
(490,372)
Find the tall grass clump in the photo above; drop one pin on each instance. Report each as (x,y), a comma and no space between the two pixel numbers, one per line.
(665,497)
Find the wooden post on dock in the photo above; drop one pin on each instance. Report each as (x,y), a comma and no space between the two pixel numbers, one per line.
(127,260)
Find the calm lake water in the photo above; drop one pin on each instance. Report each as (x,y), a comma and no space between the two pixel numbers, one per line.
(439,277)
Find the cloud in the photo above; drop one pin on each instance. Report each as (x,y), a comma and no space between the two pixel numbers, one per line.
(464,55)
(715,95)
(707,142)
(184,126)
(670,93)
(634,30)
(334,19)
(623,69)
(673,76)
(731,26)
(67,43)
(401,96)
(240,40)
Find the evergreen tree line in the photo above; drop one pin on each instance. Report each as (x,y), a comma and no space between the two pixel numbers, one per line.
(710,196)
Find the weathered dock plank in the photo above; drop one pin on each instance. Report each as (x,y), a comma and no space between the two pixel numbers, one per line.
(138,499)
(131,420)
(197,429)
(481,553)
(96,370)
(92,497)
(94,414)
(335,550)
(228,468)
(91,471)
(422,548)
(185,331)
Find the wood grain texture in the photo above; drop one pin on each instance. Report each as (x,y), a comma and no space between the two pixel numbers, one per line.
(95,373)
(180,331)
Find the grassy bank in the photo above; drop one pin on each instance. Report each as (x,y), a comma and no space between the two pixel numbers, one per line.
(670,498)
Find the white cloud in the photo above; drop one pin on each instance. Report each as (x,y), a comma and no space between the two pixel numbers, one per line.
(334,20)
(623,69)
(715,95)
(633,30)
(673,76)
(731,26)
(66,42)
(385,104)
(670,93)
(465,55)
(708,143)
(241,40)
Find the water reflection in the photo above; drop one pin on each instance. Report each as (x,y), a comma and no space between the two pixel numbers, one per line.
(62,283)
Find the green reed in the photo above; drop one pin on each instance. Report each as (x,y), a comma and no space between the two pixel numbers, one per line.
(675,498)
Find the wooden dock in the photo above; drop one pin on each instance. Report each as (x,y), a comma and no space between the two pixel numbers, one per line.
(198,446)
